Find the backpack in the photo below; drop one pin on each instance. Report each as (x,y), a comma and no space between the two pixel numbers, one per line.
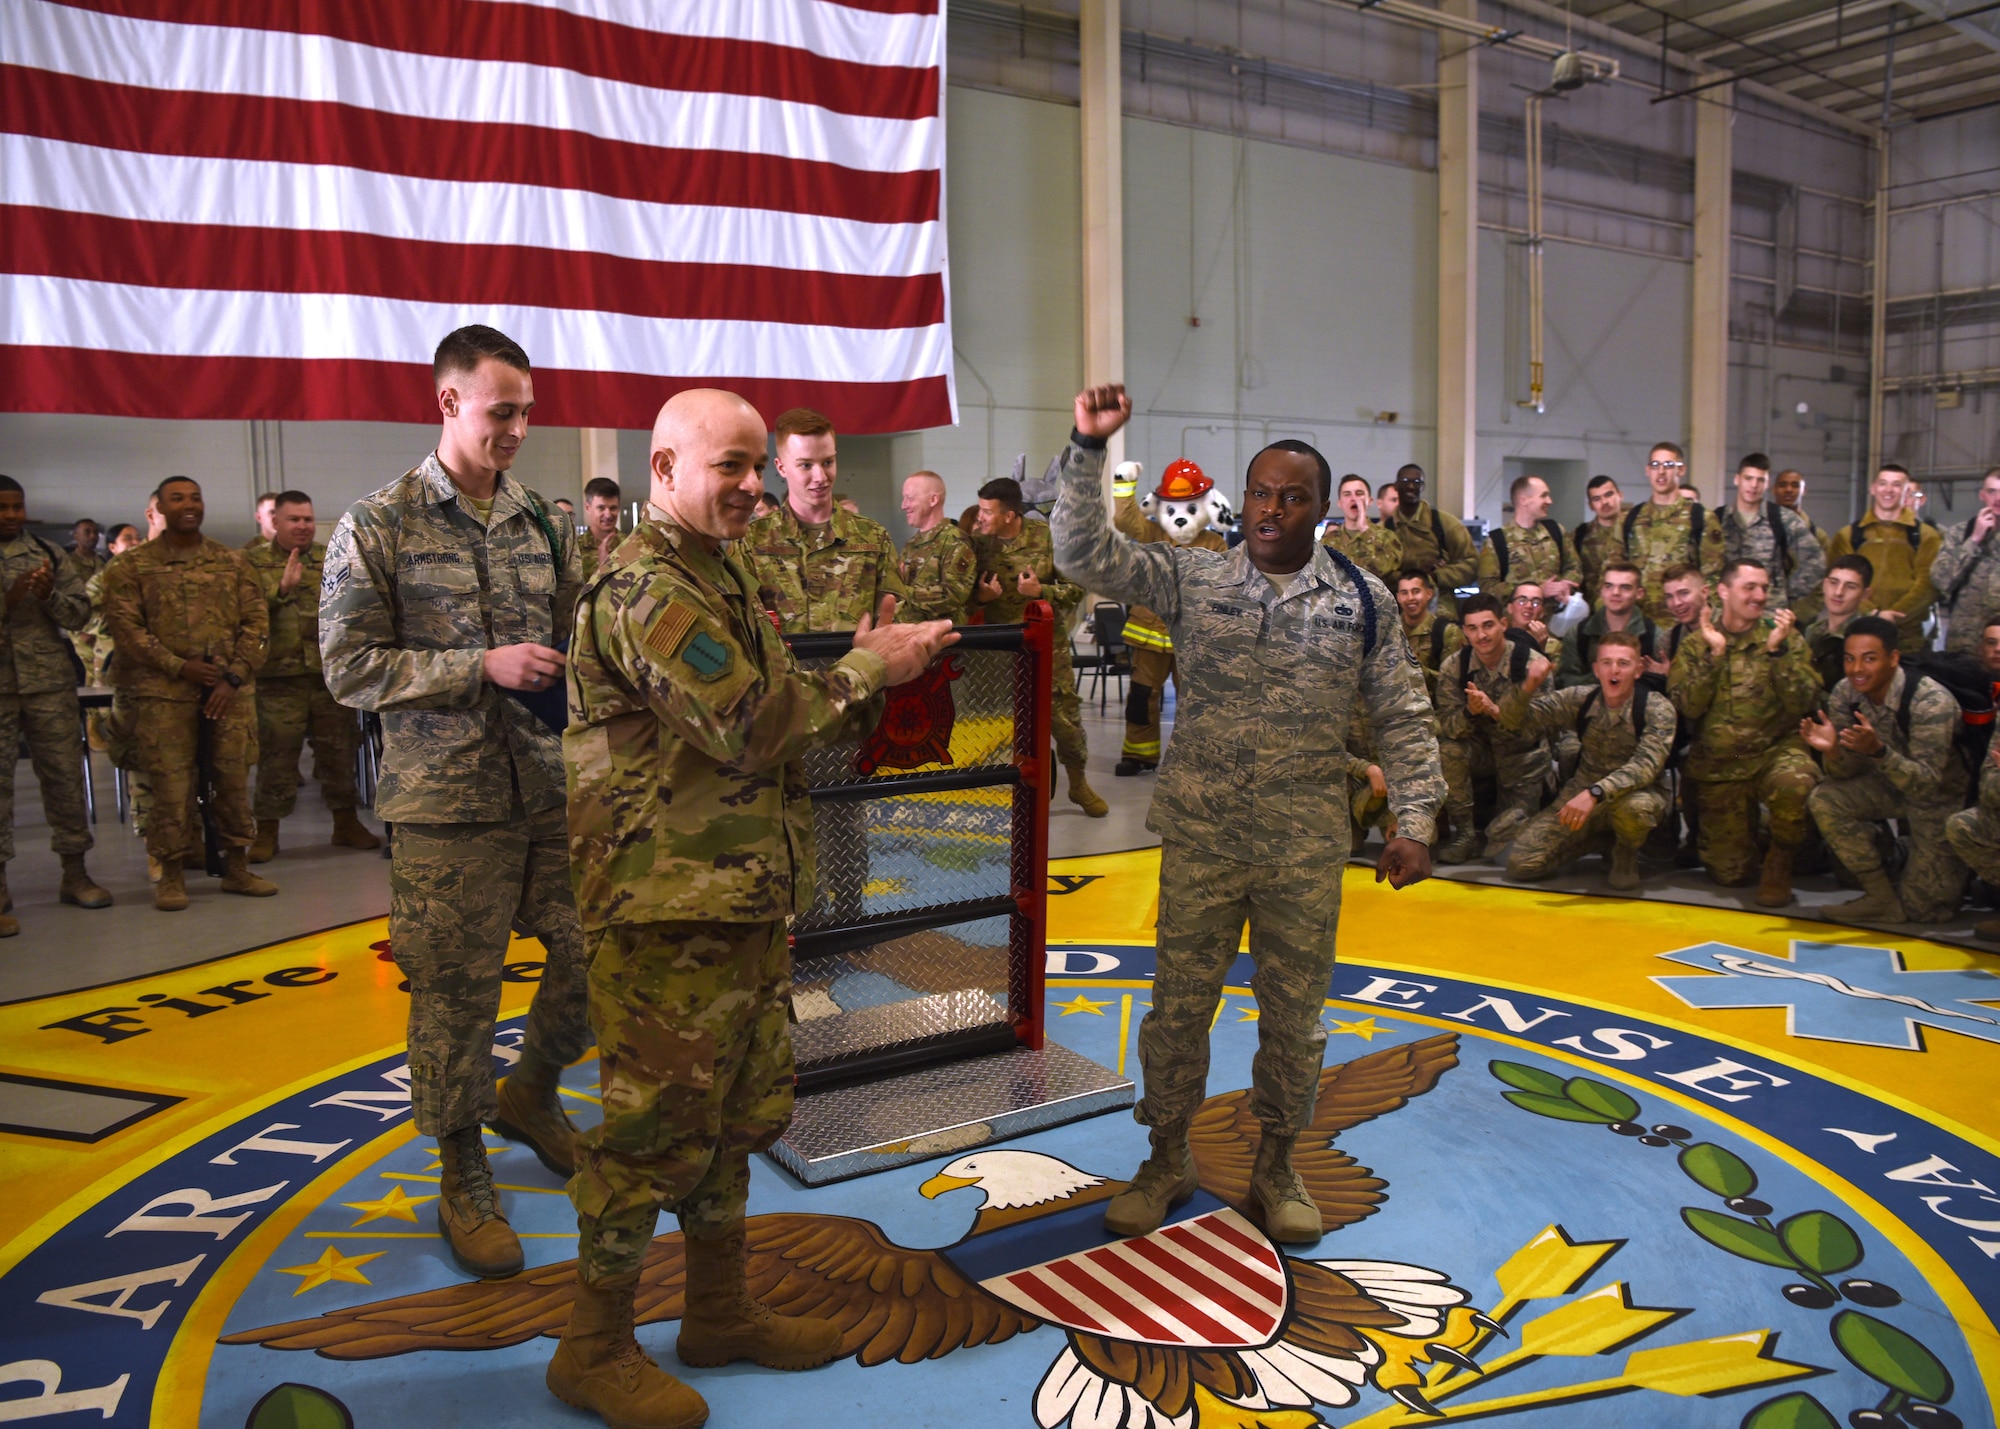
(1554,528)
(1968,682)
(1695,523)
(1586,645)
(1439,627)
(1523,645)
(1639,693)
(1353,573)
(1914,531)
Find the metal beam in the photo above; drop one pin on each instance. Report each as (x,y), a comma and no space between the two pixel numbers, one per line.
(1101,132)
(1708,337)
(1786,30)
(1456,483)
(1878,310)
(1983,27)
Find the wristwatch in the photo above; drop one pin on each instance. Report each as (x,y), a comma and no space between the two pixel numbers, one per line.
(235,680)
(1597,792)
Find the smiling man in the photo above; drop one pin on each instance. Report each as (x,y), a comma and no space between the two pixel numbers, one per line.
(1530,545)
(1754,529)
(1279,642)
(446,596)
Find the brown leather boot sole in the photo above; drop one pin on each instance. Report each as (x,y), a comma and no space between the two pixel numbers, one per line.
(700,1347)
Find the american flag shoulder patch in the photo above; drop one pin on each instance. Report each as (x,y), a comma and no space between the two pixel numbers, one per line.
(670,629)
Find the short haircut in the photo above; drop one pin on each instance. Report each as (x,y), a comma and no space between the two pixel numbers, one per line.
(1596,484)
(1730,568)
(927,475)
(1680,571)
(1424,576)
(1754,461)
(1406,467)
(1006,491)
(1384,489)
(270,496)
(1623,568)
(118,530)
(293,498)
(801,422)
(170,481)
(1875,625)
(1622,638)
(602,488)
(1991,623)
(80,521)
(1860,565)
(1351,476)
(1520,586)
(7,483)
(1673,447)
(1299,448)
(1481,604)
(1788,471)
(1991,473)
(1520,484)
(1901,471)
(465,349)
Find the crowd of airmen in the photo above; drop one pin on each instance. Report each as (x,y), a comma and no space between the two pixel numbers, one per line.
(1731,688)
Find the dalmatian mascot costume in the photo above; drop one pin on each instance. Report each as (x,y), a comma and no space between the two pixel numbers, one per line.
(1185,509)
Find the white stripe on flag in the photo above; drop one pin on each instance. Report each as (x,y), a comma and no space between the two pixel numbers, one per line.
(276,64)
(64,312)
(1126,1295)
(838,32)
(1194,1296)
(255,194)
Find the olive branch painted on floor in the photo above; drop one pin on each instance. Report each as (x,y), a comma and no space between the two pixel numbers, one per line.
(1814,1245)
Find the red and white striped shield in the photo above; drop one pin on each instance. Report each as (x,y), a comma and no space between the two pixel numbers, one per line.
(1210,1282)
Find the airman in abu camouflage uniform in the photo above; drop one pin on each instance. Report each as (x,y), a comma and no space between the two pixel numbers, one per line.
(1746,686)
(1471,740)
(1625,733)
(1279,642)
(1145,634)
(293,703)
(677,681)
(44,597)
(441,610)
(1975,835)
(1776,537)
(1967,572)
(1890,752)
(937,566)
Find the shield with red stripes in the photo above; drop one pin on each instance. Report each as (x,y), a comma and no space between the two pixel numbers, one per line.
(1213,1281)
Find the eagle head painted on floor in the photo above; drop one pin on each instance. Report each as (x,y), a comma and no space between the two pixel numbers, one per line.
(1203,1324)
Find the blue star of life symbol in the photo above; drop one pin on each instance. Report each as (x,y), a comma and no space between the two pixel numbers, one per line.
(1838,992)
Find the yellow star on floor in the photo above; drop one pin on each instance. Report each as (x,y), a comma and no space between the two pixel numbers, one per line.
(1365,1029)
(330,1267)
(1248,1014)
(1080,1003)
(396,1205)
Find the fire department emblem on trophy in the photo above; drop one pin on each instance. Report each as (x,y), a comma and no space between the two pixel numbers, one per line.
(916,725)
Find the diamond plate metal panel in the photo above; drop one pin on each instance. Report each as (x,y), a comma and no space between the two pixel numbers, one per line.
(819,1041)
(908,852)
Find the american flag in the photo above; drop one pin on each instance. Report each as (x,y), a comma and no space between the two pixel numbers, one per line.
(275,208)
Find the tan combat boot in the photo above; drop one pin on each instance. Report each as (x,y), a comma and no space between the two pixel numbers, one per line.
(152,869)
(1987,930)
(1458,848)
(600,1367)
(350,832)
(1878,902)
(474,1228)
(723,1323)
(1082,795)
(77,886)
(1164,1180)
(530,1112)
(170,893)
(10,926)
(237,877)
(265,847)
(1774,887)
(1288,1212)
(1624,867)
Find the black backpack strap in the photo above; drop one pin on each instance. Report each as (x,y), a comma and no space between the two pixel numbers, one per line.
(1555,530)
(1910,679)
(1464,662)
(1631,519)
(1523,651)
(1583,710)
(1775,514)
(1353,573)
(1695,520)
(1586,649)
(1437,641)
(1646,641)
(1499,540)
(1915,534)
(1437,529)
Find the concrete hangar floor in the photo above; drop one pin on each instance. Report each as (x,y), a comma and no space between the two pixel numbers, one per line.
(1673,1160)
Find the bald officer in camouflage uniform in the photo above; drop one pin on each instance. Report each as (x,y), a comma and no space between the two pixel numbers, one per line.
(1619,789)
(677,681)
(1890,752)
(1279,642)
(293,703)
(44,597)
(937,566)
(445,595)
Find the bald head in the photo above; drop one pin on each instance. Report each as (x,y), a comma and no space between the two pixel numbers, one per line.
(708,462)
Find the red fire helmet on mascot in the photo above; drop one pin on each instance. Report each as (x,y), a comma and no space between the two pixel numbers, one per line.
(1183,481)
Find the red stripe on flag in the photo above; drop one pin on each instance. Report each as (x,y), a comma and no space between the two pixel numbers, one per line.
(1220,1228)
(1235,1270)
(58,244)
(1256,1316)
(1031,1284)
(296,131)
(127,384)
(1168,1302)
(540,35)
(1130,1313)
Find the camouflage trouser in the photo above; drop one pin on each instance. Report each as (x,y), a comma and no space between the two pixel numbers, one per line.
(1151,670)
(1726,836)
(1520,770)
(1066,709)
(1544,845)
(50,722)
(695,1066)
(166,738)
(1847,810)
(1293,913)
(1975,838)
(291,708)
(455,892)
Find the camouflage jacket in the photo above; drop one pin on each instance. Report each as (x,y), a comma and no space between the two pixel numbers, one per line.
(937,567)
(1616,757)
(1743,703)
(686,712)
(1257,768)
(1032,550)
(164,606)
(1597,546)
(1579,647)
(1436,543)
(1142,626)
(1657,537)
(1923,764)
(1532,555)
(1797,584)
(294,617)
(1431,648)
(1967,577)
(35,657)
(1456,720)
(1903,552)
(416,591)
(1828,647)
(1378,550)
(87,563)
(821,580)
